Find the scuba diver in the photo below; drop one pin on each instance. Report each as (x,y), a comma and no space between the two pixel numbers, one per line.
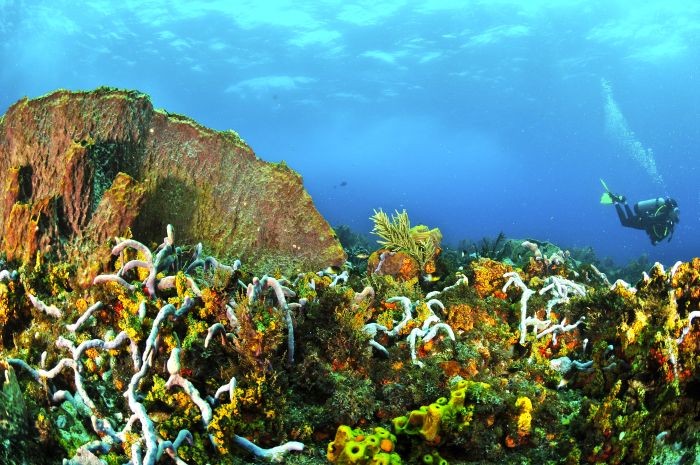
(657,217)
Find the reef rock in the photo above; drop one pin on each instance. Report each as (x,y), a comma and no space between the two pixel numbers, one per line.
(81,167)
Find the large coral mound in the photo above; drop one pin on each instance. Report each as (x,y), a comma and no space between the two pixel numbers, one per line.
(61,155)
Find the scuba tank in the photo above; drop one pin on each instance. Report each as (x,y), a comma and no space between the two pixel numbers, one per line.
(650,208)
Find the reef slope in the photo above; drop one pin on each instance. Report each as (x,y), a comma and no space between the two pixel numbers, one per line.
(60,155)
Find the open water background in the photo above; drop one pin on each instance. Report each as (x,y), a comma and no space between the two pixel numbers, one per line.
(475,116)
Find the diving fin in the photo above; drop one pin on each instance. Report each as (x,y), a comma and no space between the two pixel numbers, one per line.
(608,198)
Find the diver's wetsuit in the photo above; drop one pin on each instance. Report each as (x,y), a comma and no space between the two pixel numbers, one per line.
(657,219)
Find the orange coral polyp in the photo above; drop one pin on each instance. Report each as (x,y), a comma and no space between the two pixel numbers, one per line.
(500,295)
(386,445)
(407,270)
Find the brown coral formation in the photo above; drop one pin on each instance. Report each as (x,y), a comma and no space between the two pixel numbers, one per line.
(488,277)
(398,265)
(62,155)
(115,214)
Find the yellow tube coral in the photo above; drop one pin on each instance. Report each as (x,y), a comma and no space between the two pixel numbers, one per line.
(525,416)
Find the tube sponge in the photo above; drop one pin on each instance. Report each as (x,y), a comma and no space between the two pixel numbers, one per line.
(353,447)
(434,459)
(525,416)
(432,421)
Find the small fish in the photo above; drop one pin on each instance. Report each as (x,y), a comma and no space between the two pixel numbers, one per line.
(331,270)
(429,278)
(362,256)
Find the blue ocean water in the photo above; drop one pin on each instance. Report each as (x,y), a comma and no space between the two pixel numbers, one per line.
(475,116)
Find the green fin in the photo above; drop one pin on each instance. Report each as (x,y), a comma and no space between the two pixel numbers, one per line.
(605,199)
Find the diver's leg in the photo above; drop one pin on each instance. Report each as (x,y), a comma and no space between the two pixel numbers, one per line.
(620,214)
(627,218)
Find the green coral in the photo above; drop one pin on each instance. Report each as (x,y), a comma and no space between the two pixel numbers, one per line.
(195,329)
(13,416)
(354,447)
(434,458)
(353,399)
(431,421)
(71,432)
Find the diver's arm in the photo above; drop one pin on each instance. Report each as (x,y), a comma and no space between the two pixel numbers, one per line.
(670,227)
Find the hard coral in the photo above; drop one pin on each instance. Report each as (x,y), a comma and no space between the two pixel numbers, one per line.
(461,317)
(488,276)
(685,281)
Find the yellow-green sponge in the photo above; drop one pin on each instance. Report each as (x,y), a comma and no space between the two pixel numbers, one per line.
(354,447)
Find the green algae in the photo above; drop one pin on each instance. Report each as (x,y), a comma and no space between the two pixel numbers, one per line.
(70,430)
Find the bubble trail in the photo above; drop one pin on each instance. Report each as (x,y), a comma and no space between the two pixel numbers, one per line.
(619,131)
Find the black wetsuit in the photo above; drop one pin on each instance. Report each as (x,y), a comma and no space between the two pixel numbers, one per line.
(657,222)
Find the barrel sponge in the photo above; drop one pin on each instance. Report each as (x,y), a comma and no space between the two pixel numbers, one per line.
(354,447)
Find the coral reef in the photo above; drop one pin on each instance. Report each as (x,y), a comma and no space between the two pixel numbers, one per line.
(120,349)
